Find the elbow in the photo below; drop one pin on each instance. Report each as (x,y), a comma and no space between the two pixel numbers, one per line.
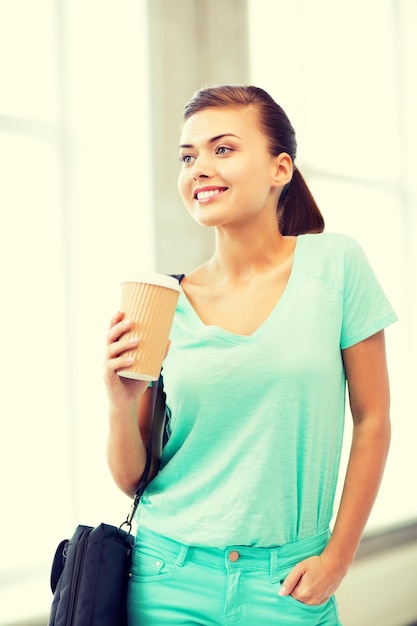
(127,479)
(126,484)
(374,428)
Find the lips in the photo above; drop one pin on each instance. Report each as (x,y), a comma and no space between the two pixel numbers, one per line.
(205,194)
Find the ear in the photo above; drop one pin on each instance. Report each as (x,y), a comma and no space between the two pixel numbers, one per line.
(283,169)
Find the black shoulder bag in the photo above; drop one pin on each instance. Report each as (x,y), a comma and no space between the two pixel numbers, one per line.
(90,571)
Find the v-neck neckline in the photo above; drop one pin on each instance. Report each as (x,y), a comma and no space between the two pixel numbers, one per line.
(222,333)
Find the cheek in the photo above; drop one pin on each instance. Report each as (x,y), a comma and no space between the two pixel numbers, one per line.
(185,187)
(182,183)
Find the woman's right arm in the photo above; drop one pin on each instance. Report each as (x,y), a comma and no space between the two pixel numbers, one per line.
(129,404)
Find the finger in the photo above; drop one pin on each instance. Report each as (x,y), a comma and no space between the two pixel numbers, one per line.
(291,581)
(118,330)
(119,355)
(112,366)
(117,317)
(119,347)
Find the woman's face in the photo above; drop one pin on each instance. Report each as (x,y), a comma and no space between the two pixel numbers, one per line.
(227,173)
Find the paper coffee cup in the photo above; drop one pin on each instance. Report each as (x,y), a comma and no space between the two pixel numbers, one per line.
(149,302)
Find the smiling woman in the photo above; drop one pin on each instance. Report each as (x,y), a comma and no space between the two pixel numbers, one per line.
(303,314)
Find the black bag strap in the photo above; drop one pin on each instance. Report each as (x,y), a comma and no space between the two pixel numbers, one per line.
(179,277)
(158,418)
(155,443)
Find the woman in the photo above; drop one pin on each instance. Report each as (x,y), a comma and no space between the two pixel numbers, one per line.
(234,529)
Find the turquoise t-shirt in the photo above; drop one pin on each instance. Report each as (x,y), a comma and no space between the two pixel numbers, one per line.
(257,421)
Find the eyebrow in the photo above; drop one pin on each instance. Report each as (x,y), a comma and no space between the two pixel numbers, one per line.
(212,140)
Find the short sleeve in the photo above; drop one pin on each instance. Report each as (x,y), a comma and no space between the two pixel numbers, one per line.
(366,309)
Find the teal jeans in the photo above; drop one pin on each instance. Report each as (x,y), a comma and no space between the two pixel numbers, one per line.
(175,584)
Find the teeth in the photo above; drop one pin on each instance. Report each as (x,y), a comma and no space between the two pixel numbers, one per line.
(205,195)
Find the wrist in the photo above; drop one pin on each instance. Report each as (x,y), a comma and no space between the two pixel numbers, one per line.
(117,413)
(341,558)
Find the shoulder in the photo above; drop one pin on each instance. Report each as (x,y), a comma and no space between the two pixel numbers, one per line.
(335,248)
(328,243)
(331,257)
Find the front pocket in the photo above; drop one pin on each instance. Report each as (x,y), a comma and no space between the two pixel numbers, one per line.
(149,562)
(314,608)
(298,603)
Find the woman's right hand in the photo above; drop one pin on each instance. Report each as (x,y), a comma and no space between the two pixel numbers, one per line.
(122,392)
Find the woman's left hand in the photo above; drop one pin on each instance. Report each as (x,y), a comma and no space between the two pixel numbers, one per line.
(313,581)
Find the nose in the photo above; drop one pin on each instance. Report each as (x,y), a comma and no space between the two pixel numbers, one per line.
(201,167)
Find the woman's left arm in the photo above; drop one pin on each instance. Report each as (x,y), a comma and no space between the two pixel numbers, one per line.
(315,579)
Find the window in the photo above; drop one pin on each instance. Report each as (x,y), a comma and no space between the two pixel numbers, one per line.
(76,216)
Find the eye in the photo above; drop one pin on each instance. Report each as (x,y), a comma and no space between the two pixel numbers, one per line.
(186,159)
(223,150)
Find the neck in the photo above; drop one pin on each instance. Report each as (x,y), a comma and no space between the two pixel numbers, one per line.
(242,253)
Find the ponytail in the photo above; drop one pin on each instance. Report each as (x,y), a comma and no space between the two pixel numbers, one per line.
(298,212)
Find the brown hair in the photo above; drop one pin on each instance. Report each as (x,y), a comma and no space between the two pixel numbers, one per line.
(297,210)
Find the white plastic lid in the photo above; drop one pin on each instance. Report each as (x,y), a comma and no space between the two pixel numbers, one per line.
(153,278)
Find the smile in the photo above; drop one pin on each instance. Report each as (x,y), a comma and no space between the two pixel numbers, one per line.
(204,195)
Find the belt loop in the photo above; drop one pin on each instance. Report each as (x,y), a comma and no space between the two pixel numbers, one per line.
(182,555)
(273,566)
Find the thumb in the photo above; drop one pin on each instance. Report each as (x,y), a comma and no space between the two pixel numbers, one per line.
(290,583)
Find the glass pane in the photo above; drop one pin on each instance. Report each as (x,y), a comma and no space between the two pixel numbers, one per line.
(336,77)
(28,58)
(350,88)
(34,451)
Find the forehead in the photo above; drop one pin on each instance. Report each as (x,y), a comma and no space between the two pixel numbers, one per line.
(217,121)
